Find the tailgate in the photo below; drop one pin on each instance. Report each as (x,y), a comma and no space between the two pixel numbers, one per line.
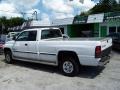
(106,43)
(106,46)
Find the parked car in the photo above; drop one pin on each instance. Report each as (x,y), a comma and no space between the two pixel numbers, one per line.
(48,46)
(116,40)
(12,35)
(1,46)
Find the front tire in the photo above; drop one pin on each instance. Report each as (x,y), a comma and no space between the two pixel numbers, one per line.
(69,66)
(8,57)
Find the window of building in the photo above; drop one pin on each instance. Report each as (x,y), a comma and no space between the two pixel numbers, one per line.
(118,29)
(112,30)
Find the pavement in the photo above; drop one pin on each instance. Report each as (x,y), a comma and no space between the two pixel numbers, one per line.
(31,76)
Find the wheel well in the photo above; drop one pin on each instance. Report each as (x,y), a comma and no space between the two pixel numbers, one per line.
(6,50)
(63,54)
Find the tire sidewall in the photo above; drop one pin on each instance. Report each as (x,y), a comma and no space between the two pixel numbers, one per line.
(8,53)
(75,66)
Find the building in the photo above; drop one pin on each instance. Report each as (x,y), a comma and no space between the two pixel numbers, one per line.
(63,24)
(96,25)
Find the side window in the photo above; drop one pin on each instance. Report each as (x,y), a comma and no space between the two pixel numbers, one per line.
(23,36)
(32,35)
(27,36)
(50,33)
(44,34)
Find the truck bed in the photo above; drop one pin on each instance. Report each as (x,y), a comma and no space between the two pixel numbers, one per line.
(88,39)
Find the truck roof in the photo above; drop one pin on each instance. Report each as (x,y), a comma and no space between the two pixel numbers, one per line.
(40,28)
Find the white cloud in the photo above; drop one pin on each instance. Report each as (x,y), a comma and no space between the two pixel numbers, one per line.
(8,10)
(57,6)
(26,4)
(66,8)
(61,15)
(44,16)
(81,6)
(31,13)
(54,8)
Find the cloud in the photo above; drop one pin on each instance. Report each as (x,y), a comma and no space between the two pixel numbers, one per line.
(26,4)
(31,13)
(58,6)
(50,8)
(8,10)
(66,8)
(61,15)
(45,17)
(81,6)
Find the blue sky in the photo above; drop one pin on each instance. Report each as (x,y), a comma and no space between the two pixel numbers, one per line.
(46,9)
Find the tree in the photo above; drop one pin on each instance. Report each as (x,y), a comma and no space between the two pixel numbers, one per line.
(104,6)
(17,21)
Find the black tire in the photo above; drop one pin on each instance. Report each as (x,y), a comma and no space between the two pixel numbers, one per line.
(73,66)
(8,57)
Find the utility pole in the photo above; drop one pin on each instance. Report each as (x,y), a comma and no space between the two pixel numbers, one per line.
(23,14)
(35,13)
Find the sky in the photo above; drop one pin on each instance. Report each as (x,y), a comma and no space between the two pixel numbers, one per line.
(46,9)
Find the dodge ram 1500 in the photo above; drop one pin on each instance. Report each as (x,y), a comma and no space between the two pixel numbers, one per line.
(47,46)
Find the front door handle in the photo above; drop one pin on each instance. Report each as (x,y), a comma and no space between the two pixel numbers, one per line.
(26,44)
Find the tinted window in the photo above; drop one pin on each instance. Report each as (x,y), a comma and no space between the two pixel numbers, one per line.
(27,36)
(112,30)
(23,36)
(50,33)
(32,35)
(118,29)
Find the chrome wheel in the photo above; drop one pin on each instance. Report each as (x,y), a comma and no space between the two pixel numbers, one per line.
(8,58)
(68,67)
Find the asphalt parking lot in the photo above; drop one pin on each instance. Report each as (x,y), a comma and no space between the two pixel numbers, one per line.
(29,76)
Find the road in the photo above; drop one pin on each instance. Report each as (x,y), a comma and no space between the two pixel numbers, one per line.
(29,76)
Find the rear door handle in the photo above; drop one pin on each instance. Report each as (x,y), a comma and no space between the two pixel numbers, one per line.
(26,44)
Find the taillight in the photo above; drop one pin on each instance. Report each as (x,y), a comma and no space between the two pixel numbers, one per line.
(98,52)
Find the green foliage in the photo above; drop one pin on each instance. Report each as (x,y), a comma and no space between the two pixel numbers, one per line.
(12,22)
(104,6)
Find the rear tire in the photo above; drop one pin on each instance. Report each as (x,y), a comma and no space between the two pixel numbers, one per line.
(8,57)
(69,66)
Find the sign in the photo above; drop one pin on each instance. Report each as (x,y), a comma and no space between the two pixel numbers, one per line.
(112,16)
(80,20)
(95,18)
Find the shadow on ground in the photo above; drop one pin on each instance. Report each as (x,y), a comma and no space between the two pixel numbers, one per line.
(116,50)
(85,72)
(90,72)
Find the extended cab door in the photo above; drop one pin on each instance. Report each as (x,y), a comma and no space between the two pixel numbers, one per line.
(32,45)
(20,47)
(47,47)
(25,46)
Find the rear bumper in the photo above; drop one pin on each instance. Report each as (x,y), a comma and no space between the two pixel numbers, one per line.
(104,61)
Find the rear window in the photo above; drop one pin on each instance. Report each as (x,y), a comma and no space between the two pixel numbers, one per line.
(50,33)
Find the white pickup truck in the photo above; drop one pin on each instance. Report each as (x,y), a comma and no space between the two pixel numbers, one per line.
(47,46)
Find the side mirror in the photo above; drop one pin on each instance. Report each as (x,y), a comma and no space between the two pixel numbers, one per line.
(65,36)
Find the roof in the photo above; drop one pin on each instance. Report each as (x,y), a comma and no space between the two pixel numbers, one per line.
(39,28)
(64,21)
